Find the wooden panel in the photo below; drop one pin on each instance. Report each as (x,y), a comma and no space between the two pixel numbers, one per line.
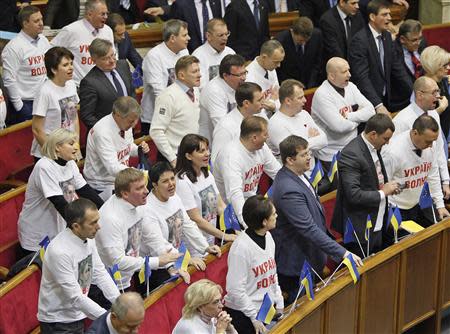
(419,281)
(312,324)
(341,315)
(379,290)
(446,268)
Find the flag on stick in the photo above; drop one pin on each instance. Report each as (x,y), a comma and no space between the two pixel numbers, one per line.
(306,280)
(425,200)
(44,244)
(333,167)
(183,261)
(145,272)
(351,265)
(316,174)
(267,310)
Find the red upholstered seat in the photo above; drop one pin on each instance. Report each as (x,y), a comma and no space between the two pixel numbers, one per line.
(438,35)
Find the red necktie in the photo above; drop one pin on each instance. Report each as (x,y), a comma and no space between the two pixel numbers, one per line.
(417,65)
(190,93)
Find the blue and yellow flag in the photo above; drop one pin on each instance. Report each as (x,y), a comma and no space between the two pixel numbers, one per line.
(351,265)
(425,200)
(368,227)
(229,219)
(333,167)
(145,272)
(395,218)
(306,280)
(115,273)
(269,193)
(316,174)
(306,268)
(44,244)
(267,311)
(349,234)
(183,262)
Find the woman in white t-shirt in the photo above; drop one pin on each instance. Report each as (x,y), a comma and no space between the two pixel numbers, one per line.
(203,311)
(54,182)
(56,104)
(197,188)
(2,110)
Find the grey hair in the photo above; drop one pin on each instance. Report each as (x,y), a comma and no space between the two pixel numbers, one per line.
(124,105)
(172,27)
(100,47)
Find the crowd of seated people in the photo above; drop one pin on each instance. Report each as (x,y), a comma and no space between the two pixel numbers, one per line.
(222,127)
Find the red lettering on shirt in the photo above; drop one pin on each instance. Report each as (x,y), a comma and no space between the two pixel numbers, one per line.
(35,60)
(124,153)
(264,267)
(84,48)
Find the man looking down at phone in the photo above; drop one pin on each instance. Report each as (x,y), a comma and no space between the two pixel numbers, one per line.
(426,97)
(410,159)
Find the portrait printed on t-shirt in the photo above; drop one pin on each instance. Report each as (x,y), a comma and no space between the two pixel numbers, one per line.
(85,274)
(213,71)
(209,203)
(134,239)
(68,106)
(175,225)
(68,189)
(172,76)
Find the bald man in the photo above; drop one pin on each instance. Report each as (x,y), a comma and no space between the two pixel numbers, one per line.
(426,97)
(126,315)
(338,107)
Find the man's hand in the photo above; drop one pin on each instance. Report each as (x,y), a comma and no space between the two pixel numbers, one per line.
(185,276)
(215,250)
(259,327)
(443,104)
(382,110)
(229,237)
(268,105)
(313,132)
(145,147)
(446,191)
(274,95)
(443,213)
(154,11)
(401,3)
(391,188)
(355,257)
(173,163)
(168,257)
(198,263)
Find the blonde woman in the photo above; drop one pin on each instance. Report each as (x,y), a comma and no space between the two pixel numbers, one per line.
(54,182)
(203,311)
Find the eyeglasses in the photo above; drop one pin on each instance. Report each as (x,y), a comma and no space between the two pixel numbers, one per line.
(435,92)
(306,154)
(226,34)
(111,57)
(238,74)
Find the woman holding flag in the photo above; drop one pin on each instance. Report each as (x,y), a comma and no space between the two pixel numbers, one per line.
(252,271)
(203,311)
(197,188)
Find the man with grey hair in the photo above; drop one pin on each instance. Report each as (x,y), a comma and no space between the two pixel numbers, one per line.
(106,81)
(262,71)
(127,314)
(78,35)
(110,144)
(159,66)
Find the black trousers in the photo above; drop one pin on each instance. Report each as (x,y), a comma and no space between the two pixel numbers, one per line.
(240,321)
(76,327)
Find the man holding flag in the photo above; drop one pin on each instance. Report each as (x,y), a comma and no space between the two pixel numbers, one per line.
(300,233)
(417,167)
(71,265)
(363,184)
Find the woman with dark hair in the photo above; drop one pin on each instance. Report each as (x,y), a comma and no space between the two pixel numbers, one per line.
(252,271)
(56,104)
(197,188)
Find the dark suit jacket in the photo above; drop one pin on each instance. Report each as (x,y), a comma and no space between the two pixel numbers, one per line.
(99,326)
(334,36)
(127,51)
(366,69)
(357,193)
(114,7)
(292,5)
(185,10)
(158,3)
(314,9)
(300,232)
(8,10)
(307,68)
(60,13)
(246,39)
(401,98)
(97,94)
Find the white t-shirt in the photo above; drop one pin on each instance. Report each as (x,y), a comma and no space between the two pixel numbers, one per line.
(202,195)
(59,107)
(39,217)
(209,61)
(70,266)
(77,37)
(2,110)
(175,225)
(198,326)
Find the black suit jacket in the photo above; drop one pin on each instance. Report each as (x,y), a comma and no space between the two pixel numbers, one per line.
(357,193)
(314,9)
(185,10)
(99,326)
(60,13)
(334,37)
(292,5)
(158,3)
(246,38)
(127,51)
(97,94)
(307,68)
(114,7)
(366,69)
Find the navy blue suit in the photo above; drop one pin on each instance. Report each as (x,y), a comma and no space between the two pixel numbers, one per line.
(301,232)
(127,51)
(99,326)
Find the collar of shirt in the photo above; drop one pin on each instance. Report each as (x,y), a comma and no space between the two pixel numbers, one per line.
(260,70)
(170,51)
(29,38)
(76,239)
(406,51)
(417,110)
(126,205)
(412,147)
(369,145)
(226,88)
(341,14)
(89,26)
(182,86)
(111,329)
(250,4)
(211,50)
(375,34)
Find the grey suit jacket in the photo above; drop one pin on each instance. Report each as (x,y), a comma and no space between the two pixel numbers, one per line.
(300,232)
(97,94)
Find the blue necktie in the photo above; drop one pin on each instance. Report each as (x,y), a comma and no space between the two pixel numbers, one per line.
(256,12)
(117,84)
(205,17)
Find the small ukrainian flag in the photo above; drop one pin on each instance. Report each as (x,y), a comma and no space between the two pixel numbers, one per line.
(44,244)
(351,265)
(316,174)
(267,311)
(183,262)
(368,227)
(334,167)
